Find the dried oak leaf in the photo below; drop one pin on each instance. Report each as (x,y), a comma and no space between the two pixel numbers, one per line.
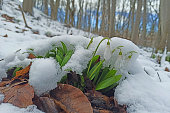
(73,98)
(31,56)
(22,73)
(5,35)
(19,95)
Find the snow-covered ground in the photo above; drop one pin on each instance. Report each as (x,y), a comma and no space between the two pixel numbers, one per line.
(146,88)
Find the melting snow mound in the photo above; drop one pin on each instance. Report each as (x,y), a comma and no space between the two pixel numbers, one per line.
(44,75)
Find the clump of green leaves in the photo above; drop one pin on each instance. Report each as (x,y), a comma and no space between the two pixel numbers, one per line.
(167,58)
(61,54)
(102,78)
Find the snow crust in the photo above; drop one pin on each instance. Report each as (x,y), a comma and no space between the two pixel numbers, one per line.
(9,108)
(44,75)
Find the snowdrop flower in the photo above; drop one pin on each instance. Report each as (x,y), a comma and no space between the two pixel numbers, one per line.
(119,61)
(107,52)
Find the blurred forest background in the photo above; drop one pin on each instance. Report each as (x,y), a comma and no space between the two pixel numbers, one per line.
(145,22)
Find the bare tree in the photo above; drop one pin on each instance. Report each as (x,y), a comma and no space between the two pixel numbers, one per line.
(144,22)
(1,2)
(45,6)
(112,19)
(67,12)
(72,12)
(89,17)
(54,8)
(165,24)
(97,16)
(135,32)
(102,28)
(80,14)
(28,6)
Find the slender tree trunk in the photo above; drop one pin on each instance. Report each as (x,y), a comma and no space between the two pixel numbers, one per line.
(112,19)
(132,18)
(97,16)
(80,14)
(46,7)
(1,2)
(135,32)
(54,8)
(108,14)
(102,28)
(89,18)
(67,12)
(72,12)
(165,24)
(28,6)
(144,22)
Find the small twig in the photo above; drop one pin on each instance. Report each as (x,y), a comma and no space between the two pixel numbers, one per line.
(26,25)
(1,59)
(146,71)
(159,76)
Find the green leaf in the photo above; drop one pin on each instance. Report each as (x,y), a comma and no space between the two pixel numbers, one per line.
(108,82)
(58,59)
(64,47)
(104,72)
(82,81)
(63,79)
(17,69)
(95,58)
(94,70)
(47,55)
(60,52)
(67,58)
(39,57)
(111,73)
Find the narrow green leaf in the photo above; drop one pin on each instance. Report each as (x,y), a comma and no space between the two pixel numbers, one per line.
(64,47)
(95,69)
(60,52)
(67,58)
(111,73)
(47,55)
(95,58)
(108,82)
(17,69)
(58,59)
(104,72)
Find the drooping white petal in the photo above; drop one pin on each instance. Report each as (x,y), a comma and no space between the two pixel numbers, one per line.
(107,53)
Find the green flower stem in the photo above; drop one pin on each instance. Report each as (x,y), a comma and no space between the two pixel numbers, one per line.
(91,41)
(95,53)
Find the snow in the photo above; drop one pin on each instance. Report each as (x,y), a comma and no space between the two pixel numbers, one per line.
(9,108)
(44,75)
(146,88)
(144,91)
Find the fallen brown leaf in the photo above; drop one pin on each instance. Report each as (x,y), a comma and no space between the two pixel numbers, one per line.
(8,18)
(73,98)
(19,95)
(5,35)
(166,69)
(23,73)
(31,56)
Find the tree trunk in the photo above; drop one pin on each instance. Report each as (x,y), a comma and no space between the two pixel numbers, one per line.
(102,28)
(89,18)
(135,32)
(67,12)
(144,23)
(1,2)
(28,6)
(112,19)
(165,23)
(54,8)
(108,14)
(46,7)
(80,14)
(72,12)
(97,16)
(132,18)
